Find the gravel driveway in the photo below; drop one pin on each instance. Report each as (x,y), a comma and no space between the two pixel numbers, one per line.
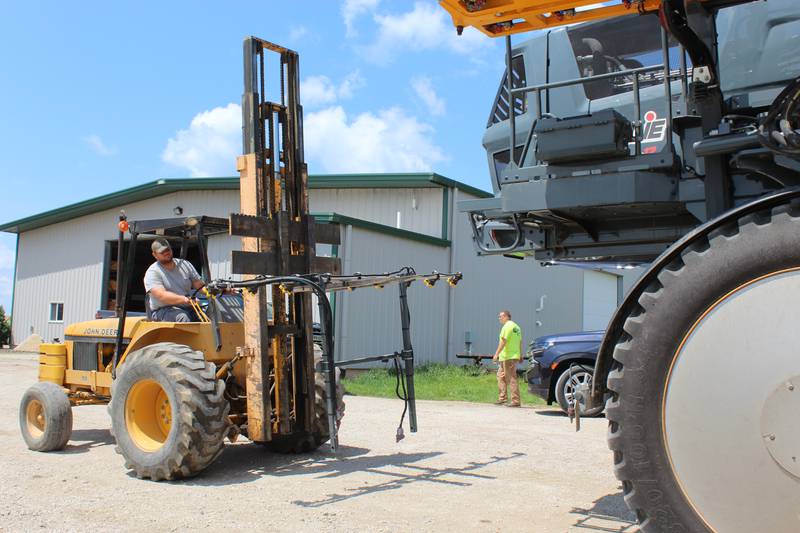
(471,467)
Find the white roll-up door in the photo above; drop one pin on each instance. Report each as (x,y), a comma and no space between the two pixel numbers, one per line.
(599,299)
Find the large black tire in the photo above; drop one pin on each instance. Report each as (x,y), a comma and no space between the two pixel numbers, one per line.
(561,392)
(192,427)
(305,442)
(710,268)
(45,417)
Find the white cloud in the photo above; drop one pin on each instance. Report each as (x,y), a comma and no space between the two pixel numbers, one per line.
(320,90)
(210,145)
(387,141)
(351,83)
(425,91)
(297,32)
(98,146)
(352,9)
(425,27)
(317,90)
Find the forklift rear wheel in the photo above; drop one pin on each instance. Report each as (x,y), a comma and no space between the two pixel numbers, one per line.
(168,413)
(45,417)
(706,384)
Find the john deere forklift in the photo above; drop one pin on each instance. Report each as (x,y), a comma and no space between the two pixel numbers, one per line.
(666,133)
(249,365)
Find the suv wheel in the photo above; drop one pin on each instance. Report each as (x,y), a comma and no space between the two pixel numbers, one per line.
(569,381)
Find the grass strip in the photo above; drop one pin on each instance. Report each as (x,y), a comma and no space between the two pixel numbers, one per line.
(437,382)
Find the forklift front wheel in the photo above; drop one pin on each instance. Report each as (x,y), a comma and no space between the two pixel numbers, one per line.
(168,413)
(45,417)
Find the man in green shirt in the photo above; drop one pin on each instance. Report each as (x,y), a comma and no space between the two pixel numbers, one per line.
(508,354)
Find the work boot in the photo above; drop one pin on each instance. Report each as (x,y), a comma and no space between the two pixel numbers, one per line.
(514,405)
(500,402)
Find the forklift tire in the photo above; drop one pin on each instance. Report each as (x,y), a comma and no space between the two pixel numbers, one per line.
(305,442)
(701,414)
(45,417)
(168,413)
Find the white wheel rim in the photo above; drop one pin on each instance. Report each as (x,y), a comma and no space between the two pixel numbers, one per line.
(576,380)
(720,395)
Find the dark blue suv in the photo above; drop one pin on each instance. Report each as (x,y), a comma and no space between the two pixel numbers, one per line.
(559,364)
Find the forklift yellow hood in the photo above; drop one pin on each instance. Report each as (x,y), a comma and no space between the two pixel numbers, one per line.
(103,327)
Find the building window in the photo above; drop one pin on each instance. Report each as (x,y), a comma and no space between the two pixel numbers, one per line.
(56,312)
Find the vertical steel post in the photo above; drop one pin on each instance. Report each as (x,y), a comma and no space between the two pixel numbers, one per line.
(637,115)
(122,299)
(684,81)
(408,356)
(250,98)
(213,308)
(511,114)
(257,347)
(667,85)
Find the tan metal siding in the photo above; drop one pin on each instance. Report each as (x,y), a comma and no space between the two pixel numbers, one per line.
(420,209)
(494,283)
(368,320)
(64,262)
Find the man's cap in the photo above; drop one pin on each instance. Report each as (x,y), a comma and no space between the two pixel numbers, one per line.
(160,246)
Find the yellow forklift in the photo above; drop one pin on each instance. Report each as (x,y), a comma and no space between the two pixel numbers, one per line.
(249,365)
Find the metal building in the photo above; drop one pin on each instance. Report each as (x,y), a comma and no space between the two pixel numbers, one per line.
(65,262)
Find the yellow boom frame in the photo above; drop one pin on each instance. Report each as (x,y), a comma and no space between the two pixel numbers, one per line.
(497,18)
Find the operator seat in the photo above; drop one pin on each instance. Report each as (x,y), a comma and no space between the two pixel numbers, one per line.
(594,63)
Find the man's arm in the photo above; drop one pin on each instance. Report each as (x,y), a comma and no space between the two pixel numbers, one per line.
(198,283)
(168,297)
(500,346)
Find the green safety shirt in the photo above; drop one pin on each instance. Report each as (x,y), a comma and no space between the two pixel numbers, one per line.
(513,336)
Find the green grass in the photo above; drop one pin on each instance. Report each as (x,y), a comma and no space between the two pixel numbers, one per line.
(437,382)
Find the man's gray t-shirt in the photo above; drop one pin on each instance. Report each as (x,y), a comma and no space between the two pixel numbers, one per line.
(178,280)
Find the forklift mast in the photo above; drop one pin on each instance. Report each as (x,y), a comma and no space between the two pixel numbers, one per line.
(278,239)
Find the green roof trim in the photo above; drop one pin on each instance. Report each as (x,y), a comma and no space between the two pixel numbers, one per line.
(170,185)
(335,218)
(115,199)
(391,180)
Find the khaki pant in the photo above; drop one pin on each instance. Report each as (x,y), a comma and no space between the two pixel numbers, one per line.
(507,375)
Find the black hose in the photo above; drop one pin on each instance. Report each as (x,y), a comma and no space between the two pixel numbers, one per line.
(398,384)
(776,136)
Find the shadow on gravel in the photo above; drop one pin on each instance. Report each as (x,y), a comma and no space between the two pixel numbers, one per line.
(243,463)
(405,474)
(83,440)
(608,513)
(558,413)
(551,412)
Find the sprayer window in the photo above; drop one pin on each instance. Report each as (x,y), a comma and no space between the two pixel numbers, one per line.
(500,107)
(617,45)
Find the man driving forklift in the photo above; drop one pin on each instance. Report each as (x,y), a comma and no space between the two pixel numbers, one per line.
(167,283)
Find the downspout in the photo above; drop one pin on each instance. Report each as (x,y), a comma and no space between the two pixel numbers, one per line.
(14,290)
(340,319)
(451,297)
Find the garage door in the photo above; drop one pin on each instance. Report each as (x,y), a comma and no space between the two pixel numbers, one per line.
(599,299)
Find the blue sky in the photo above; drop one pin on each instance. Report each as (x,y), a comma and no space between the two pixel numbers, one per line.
(99,96)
